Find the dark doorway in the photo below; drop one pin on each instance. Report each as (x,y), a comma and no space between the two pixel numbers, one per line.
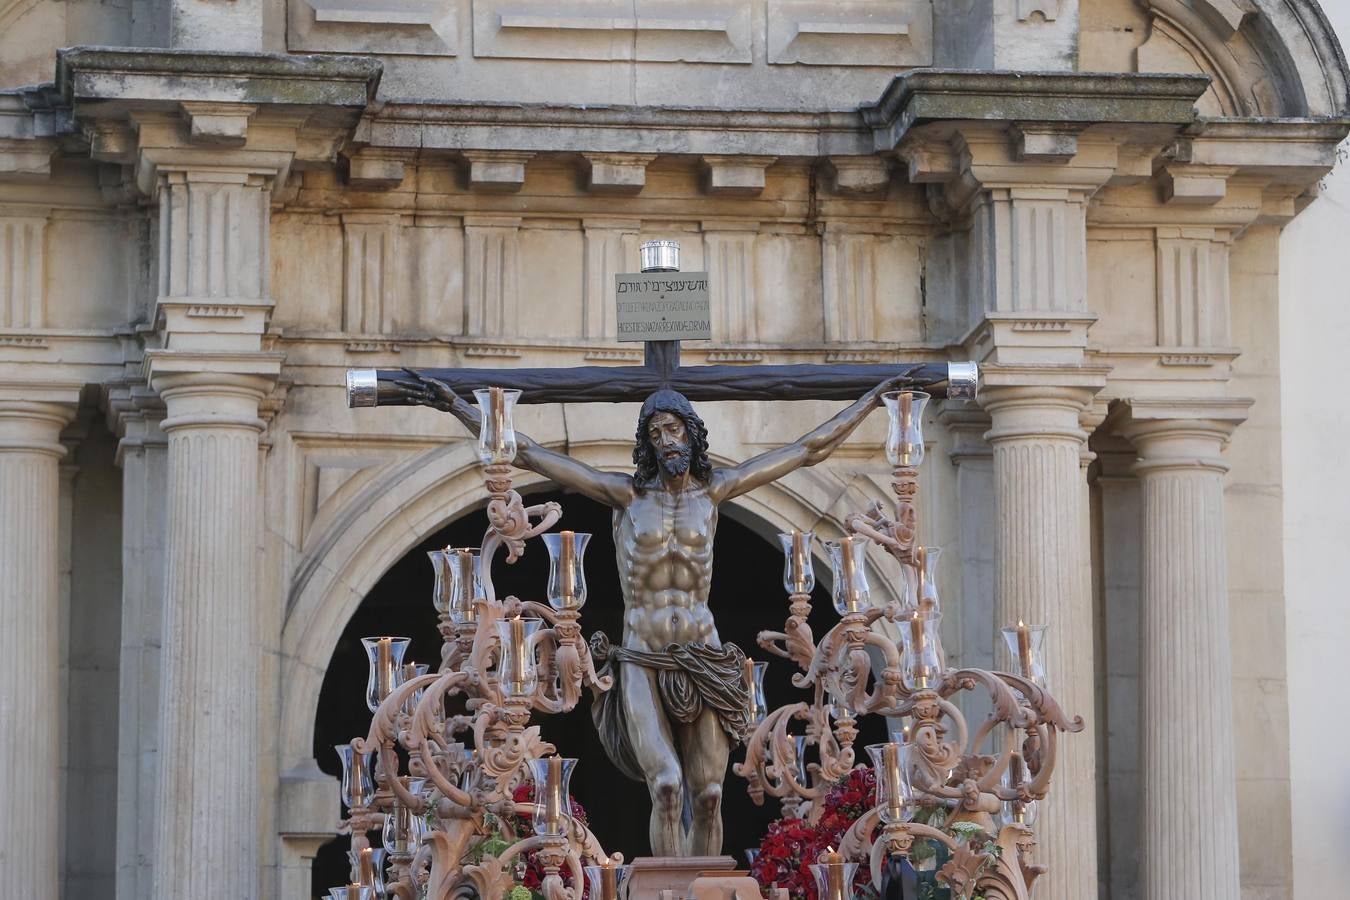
(747,597)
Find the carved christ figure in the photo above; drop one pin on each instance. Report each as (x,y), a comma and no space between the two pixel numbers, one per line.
(678,703)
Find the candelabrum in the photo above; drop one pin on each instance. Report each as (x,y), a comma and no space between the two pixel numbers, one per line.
(974,792)
(435,785)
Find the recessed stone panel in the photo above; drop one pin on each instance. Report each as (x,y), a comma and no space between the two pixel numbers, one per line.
(850,32)
(695,31)
(416,27)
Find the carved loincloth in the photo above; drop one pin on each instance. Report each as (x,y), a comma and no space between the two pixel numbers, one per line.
(690,677)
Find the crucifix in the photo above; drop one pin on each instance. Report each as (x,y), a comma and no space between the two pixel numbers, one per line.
(678,704)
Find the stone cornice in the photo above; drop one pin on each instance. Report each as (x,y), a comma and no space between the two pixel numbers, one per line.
(928,95)
(534,127)
(113,76)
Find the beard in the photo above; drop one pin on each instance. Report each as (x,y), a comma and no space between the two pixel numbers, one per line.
(676,465)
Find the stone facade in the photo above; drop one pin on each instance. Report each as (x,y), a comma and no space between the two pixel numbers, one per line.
(197,239)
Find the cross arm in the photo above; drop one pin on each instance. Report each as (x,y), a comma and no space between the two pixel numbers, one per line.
(626,384)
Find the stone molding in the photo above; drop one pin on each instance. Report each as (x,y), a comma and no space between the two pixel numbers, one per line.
(1179,433)
(1051,97)
(115,77)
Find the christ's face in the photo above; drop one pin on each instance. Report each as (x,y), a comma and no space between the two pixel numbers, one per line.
(670,442)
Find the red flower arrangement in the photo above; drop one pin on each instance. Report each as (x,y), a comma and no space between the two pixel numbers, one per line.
(792,845)
(523,827)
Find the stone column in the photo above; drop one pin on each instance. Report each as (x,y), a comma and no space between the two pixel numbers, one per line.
(30,696)
(207,833)
(1187,755)
(1038,561)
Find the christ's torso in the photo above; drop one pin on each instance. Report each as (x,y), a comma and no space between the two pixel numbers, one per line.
(664,544)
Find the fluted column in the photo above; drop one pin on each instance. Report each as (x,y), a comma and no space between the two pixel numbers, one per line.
(30,696)
(1190,828)
(207,841)
(1038,561)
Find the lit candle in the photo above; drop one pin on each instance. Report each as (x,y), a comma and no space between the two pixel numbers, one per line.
(917,638)
(848,572)
(750,699)
(365,868)
(467,588)
(834,876)
(890,756)
(906,422)
(1015,779)
(1024,648)
(569,578)
(519,673)
(553,795)
(498,408)
(358,779)
(384,666)
(799,562)
(609,880)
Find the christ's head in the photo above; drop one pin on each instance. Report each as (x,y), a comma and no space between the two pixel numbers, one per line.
(671,440)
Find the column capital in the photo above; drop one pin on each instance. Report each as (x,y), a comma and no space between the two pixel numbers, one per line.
(206,390)
(1048,408)
(1178,434)
(34,425)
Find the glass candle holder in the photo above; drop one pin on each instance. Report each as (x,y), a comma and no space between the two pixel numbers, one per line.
(848,562)
(566,576)
(834,877)
(402,831)
(496,428)
(891,762)
(407,673)
(385,655)
(751,856)
(904,439)
(756,707)
(1026,650)
(799,759)
(921,664)
(368,868)
(606,879)
(516,668)
(357,786)
(351,892)
(1014,777)
(799,577)
(457,583)
(921,581)
(552,779)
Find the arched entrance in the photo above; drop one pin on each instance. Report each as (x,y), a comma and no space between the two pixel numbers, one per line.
(746,598)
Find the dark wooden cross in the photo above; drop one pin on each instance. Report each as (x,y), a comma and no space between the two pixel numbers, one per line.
(661,369)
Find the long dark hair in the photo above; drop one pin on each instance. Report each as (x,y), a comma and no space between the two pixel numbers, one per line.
(644,455)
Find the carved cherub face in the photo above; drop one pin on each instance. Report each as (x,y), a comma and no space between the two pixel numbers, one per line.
(669,439)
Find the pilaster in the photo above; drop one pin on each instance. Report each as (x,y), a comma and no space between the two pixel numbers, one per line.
(729,256)
(1186,666)
(491,275)
(31,420)
(611,245)
(136,412)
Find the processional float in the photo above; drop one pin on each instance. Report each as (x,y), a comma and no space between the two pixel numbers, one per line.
(443,788)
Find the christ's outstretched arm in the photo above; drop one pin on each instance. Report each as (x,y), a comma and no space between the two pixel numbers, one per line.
(807,450)
(610,488)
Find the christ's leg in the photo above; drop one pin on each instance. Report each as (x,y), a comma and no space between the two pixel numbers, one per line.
(705,749)
(649,732)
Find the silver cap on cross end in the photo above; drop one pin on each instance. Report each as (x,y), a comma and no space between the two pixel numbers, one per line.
(362,388)
(660,256)
(963,380)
